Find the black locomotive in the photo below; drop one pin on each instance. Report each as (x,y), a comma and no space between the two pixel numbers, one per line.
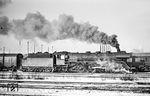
(64,61)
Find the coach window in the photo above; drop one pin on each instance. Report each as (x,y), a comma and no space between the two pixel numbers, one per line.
(62,57)
(137,59)
(51,55)
(58,56)
(129,60)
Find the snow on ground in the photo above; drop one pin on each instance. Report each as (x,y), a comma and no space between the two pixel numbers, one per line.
(62,92)
(85,80)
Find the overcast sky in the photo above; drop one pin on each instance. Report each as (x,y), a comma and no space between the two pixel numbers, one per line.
(128,19)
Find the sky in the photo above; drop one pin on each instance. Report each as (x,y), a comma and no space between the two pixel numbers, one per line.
(128,19)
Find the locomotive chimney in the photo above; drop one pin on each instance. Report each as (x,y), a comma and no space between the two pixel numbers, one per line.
(118,48)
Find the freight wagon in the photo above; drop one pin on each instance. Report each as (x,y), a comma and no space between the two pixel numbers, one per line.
(10,61)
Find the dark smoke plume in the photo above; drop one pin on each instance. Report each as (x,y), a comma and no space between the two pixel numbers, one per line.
(35,25)
(5,26)
(4,2)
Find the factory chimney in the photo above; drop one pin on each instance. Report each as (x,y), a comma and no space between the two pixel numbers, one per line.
(34,47)
(41,47)
(48,49)
(52,49)
(106,48)
(103,48)
(100,47)
(20,49)
(3,50)
(3,56)
(27,47)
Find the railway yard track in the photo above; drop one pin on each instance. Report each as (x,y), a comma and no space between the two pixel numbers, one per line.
(76,84)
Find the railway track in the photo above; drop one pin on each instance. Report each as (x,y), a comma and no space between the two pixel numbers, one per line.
(55,83)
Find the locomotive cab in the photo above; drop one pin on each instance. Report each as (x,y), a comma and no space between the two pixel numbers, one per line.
(60,62)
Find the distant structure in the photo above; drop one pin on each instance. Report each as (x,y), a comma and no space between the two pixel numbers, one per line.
(105,48)
(27,47)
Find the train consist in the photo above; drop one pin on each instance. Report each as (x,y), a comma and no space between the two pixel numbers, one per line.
(72,62)
(10,61)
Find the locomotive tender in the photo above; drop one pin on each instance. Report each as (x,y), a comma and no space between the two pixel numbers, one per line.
(59,61)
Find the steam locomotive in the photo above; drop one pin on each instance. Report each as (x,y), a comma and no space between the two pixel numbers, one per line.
(137,62)
(63,61)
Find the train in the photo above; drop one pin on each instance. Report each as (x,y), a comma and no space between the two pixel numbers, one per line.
(10,61)
(72,61)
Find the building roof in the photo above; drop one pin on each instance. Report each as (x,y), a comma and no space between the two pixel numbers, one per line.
(9,54)
(140,54)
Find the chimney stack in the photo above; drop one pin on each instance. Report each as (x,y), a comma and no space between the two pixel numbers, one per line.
(34,47)
(100,47)
(3,50)
(52,49)
(103,48)
(106,48)
(20,46)
(48,49)
(28,47)
(41,47)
